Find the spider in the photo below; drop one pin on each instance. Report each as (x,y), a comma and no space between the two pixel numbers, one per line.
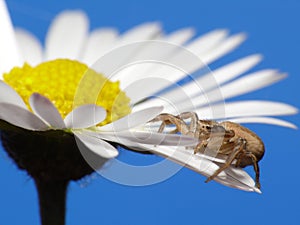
(236,144)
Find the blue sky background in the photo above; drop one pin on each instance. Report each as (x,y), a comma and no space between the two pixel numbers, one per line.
(273,29)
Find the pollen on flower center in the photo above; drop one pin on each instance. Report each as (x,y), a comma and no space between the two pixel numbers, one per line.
(61,81)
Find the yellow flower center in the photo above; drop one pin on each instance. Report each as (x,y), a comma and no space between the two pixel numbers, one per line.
(68,84)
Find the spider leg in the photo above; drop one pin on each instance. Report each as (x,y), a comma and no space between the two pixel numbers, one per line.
(240,146)
(193,128)
(201,147)
(164,118)
(256,169)
(175,131)
(162,127)
(167,119)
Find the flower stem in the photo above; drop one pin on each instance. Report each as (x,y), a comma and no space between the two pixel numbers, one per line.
(52,201)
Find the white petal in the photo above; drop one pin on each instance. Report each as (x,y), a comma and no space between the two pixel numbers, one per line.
(241,86)
(238,178)
(66,35)
(150,51)
(146,31)
(98,146)
(21,117)
(266,120)
(150,138)
(98,43)
(182,60)
(206,82)
(9,95)
(165,70)
(153,60)
(145,51)
(245,84)
(159,52)
(85,116)
(185,62)
(225,47)
(188,159)
(179,37)
(45,109)
(132,120)
(236,68)
(250,83)
(221,75)
(233,177)
(132,47)
(127,50)
(246,109)
(207,41)
(9,53)
(30,47)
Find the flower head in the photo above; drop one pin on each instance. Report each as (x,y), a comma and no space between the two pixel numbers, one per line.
(59,79)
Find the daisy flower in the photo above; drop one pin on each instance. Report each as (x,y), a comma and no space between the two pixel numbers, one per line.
(65,107)
(45,92)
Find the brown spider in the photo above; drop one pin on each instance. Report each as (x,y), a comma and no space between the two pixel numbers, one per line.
(230,141)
